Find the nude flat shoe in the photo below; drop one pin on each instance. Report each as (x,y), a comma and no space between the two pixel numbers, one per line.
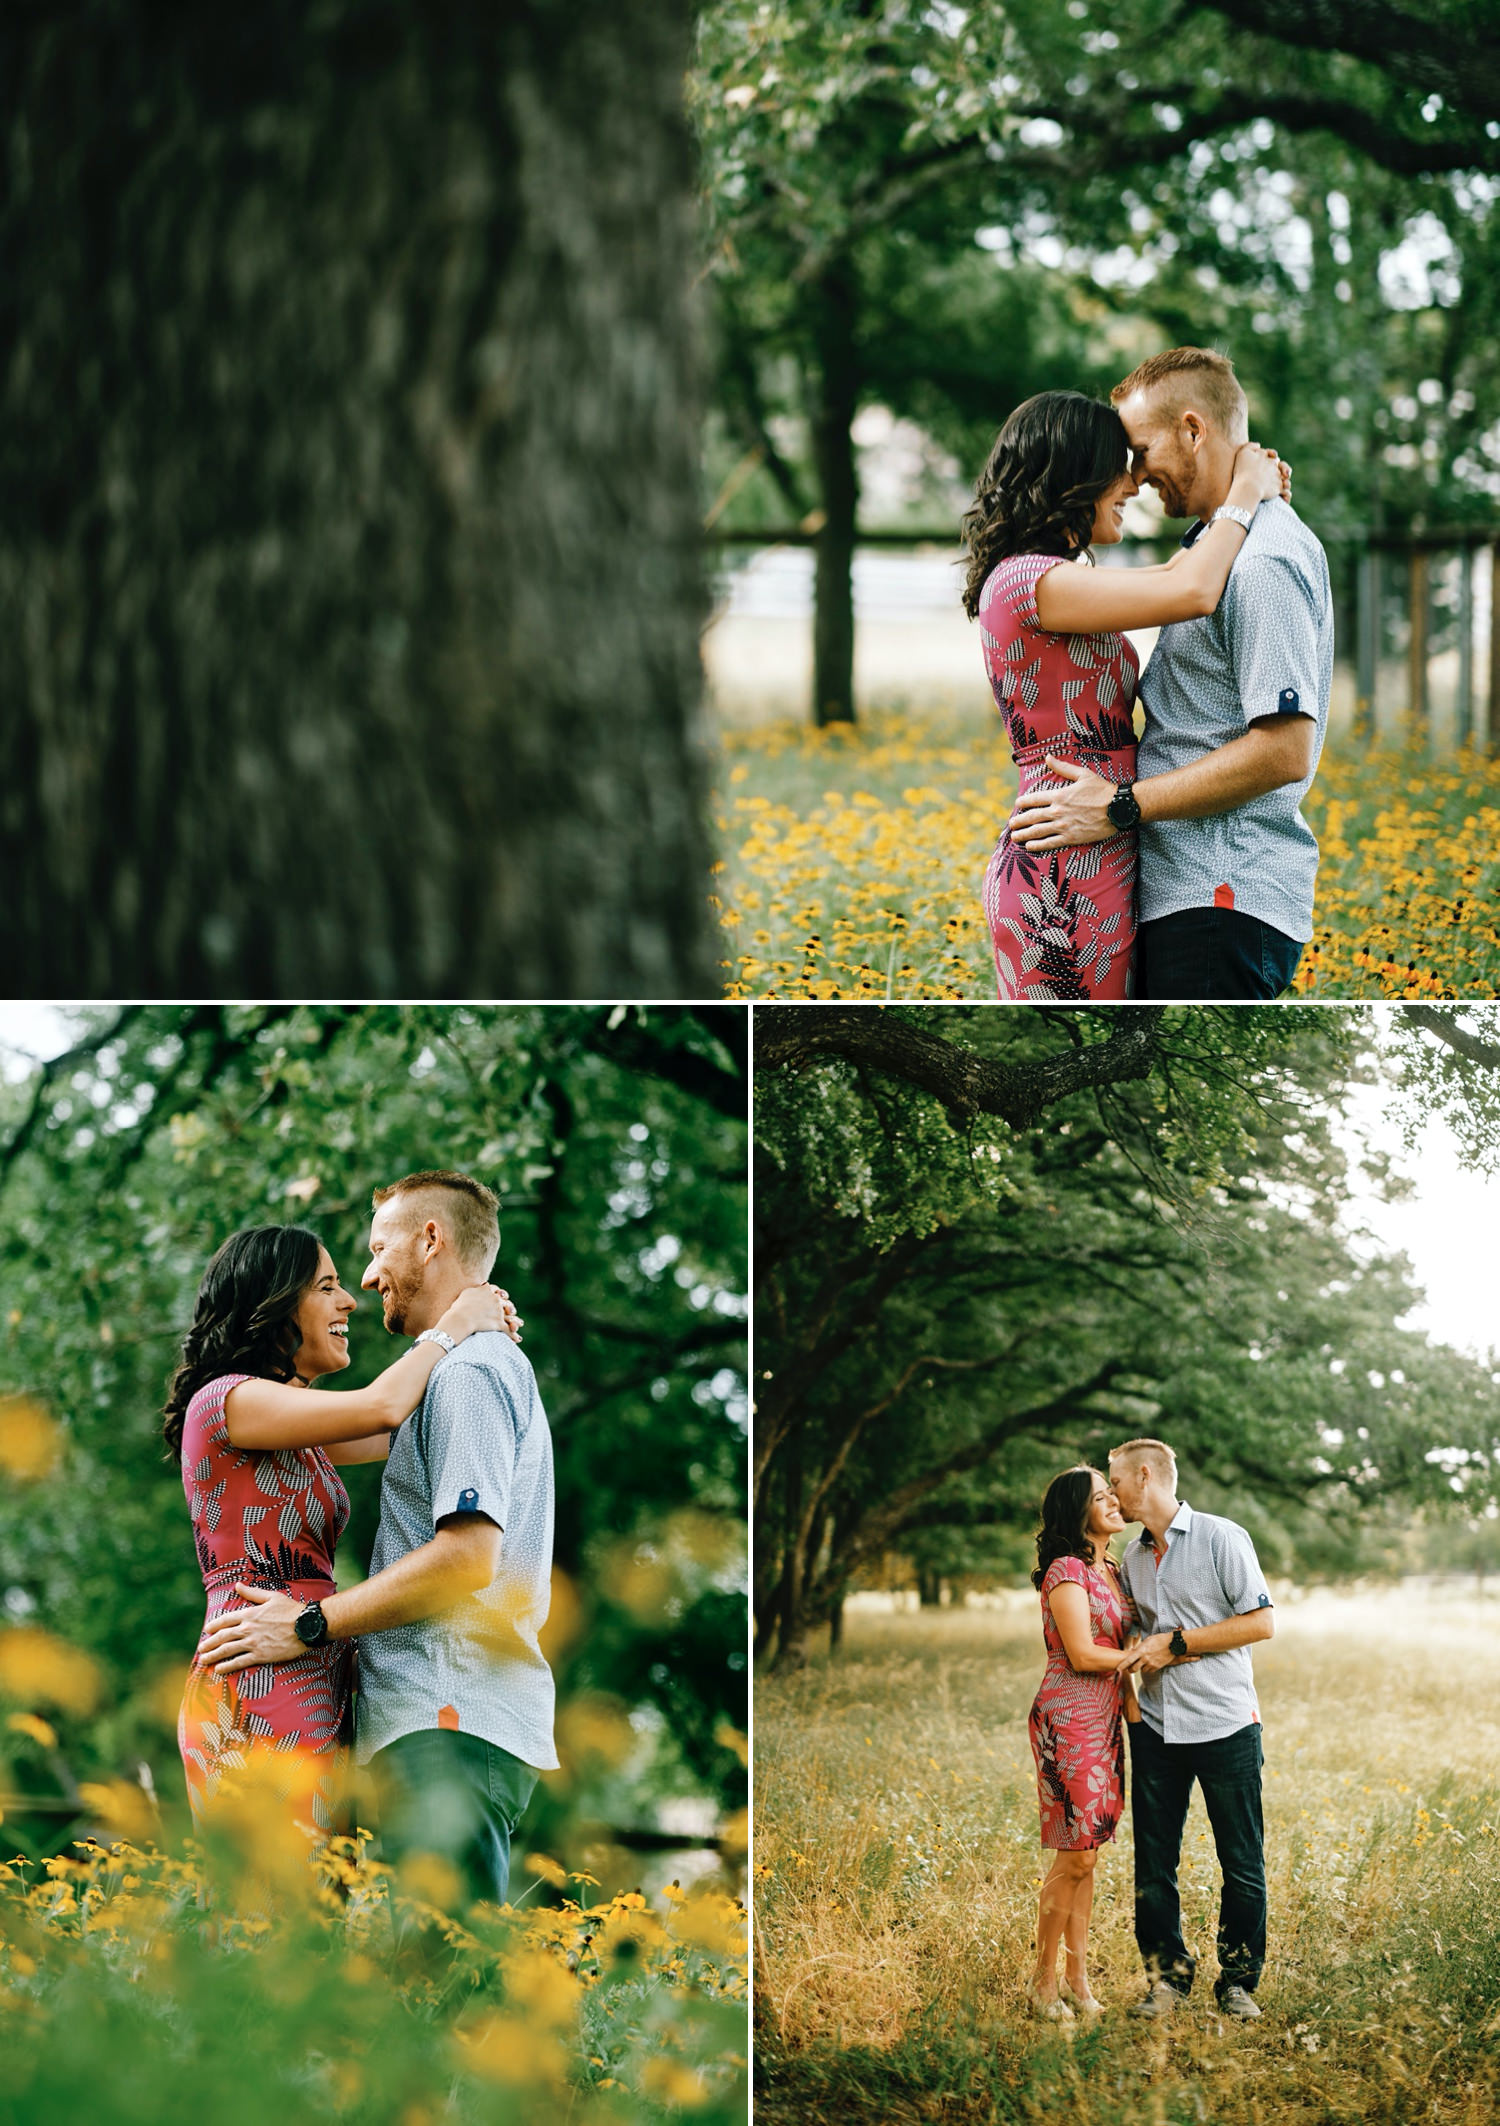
(1047,2011)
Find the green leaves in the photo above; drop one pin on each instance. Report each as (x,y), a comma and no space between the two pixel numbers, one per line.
(1449,1068)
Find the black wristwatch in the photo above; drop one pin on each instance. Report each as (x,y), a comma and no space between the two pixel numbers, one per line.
(1176,1645)
(311,1626)
(1122,811)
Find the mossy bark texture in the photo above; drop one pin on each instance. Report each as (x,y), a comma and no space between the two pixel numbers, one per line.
(350,579)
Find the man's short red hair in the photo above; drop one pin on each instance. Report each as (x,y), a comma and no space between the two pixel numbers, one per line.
(1191,376)
(468,1212)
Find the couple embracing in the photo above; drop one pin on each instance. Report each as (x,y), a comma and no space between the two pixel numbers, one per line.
(1179,1613)
(454,1704)
(1185,870)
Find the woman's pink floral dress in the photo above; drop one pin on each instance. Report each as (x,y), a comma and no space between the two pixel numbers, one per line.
(1076,1735)
(1062,921)
(270,1518)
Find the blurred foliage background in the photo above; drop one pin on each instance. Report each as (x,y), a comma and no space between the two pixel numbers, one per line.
(615,1139)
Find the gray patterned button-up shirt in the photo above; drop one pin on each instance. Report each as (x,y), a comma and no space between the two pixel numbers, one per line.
(1267,650)
(479,1443)
(1210,1572)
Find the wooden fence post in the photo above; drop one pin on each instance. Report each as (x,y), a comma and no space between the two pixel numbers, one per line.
(1494,730)
(1416,686)
(1366,641)
(1464,732)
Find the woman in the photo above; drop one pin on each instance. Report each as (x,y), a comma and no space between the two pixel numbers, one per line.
(1064,679)
(1076,1735)
(258,1455)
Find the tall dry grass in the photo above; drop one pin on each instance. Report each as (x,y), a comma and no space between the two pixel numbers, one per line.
(897,1867)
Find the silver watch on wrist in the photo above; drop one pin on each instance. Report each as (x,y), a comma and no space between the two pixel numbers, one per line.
(1236,515)
(436,1336)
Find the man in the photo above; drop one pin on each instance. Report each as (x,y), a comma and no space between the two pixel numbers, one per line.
(1202,1603)
(455,1697)
(1236,705)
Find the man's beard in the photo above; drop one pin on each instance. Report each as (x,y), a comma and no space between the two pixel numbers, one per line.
(1173,501)
(398,1299)
(1172,489)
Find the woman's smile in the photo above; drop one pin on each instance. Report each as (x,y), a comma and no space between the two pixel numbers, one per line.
(323,1319)
(1109,509)
(1104,1515)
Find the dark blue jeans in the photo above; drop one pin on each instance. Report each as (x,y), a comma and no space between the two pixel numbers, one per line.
(1212,955)
(457,1796)
(1161,1781)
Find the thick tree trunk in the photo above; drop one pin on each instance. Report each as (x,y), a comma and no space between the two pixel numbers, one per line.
(836,312)
(930,1589)
(349,565)
(766,1597)
(790,1622)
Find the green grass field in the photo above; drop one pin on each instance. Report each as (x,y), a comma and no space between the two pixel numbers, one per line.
(897,1864)
(853,858)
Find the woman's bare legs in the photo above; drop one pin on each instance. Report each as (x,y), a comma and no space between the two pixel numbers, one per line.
(1067,1896)
(1076,1929)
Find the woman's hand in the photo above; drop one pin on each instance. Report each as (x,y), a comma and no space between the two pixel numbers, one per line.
(1256,471)
(482,1306)
(1153,1653)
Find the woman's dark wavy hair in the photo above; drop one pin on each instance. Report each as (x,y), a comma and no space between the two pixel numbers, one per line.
(1051,462)
(246,1316)
(1064,1510)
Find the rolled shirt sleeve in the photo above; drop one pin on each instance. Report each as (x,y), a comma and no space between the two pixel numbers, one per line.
(1274,624)
(474,1433)
(1239,1570)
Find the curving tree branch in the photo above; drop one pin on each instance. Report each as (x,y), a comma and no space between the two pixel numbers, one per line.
(797,1037)
(1428,152)
(632,1038)
(47,1077)
(1471,1046)
(1421,51)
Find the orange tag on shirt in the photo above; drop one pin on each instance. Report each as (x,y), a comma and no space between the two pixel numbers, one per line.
(1224,896)
(448,1717)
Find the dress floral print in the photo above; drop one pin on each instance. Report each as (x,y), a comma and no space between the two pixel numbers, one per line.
(1062,921)
(1076,1734)
(270,1519)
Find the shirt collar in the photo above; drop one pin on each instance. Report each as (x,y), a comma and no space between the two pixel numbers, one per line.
(1179,1524)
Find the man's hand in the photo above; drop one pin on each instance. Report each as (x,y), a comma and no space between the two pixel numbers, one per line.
(1153,1653)
(250,1638)
(1065,819)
